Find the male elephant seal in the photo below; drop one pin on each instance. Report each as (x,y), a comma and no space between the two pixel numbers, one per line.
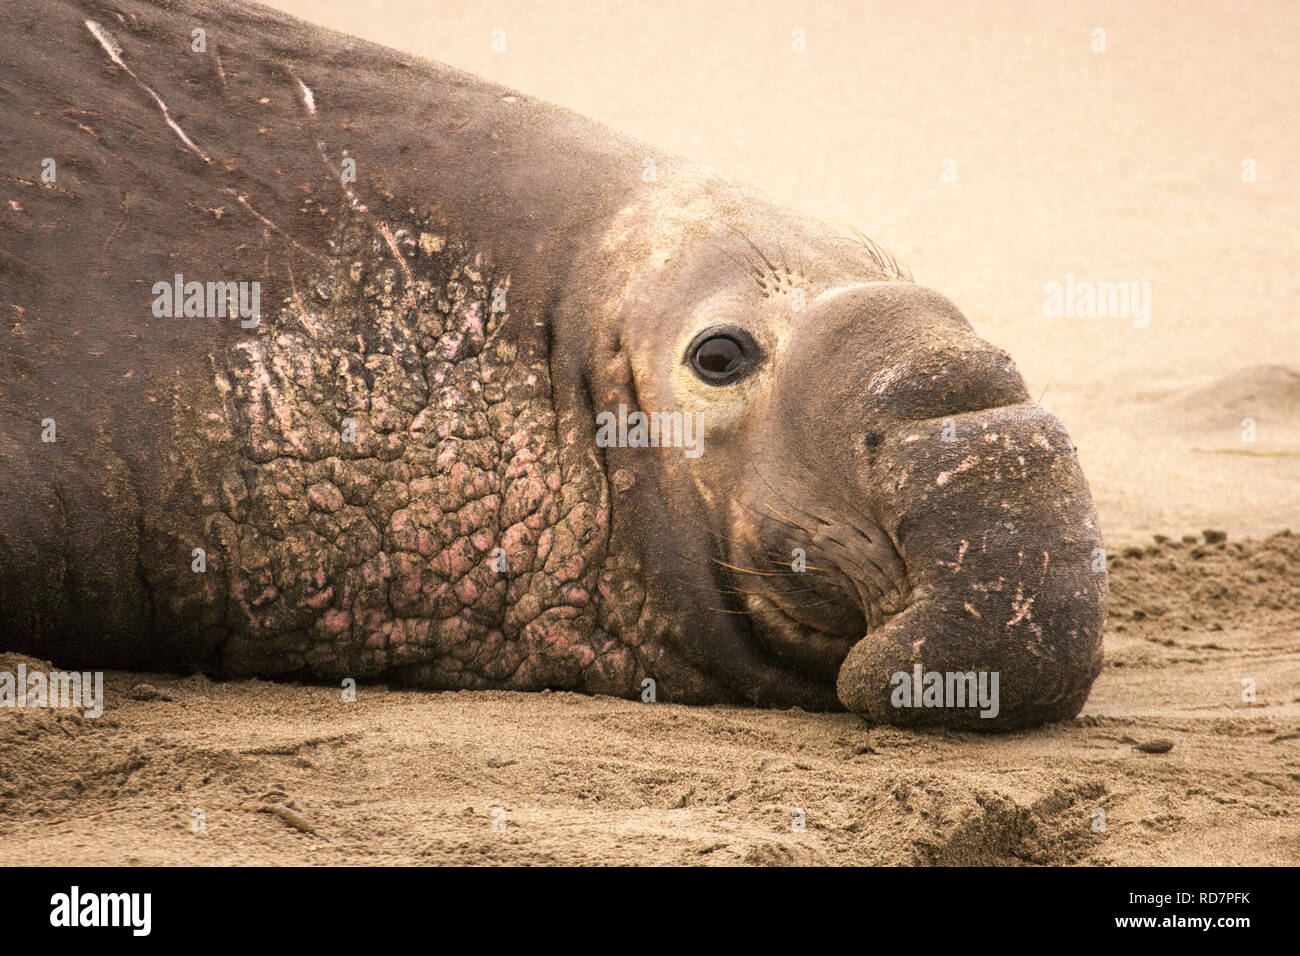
(324,361)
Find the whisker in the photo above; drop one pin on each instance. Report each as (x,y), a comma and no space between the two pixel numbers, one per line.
(807,531)
(898,584)
(763,574)
(882,258)
(778,514)
(766,574)
(748,268)
(766,261)
(784,264)
(782,564)
(736,590)
(789,503)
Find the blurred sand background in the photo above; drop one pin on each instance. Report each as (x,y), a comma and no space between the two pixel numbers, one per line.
(1116,166)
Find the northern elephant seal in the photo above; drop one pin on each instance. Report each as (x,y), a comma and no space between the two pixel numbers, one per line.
(326,361)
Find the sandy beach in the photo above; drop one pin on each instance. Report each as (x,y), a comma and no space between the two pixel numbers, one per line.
(993,151)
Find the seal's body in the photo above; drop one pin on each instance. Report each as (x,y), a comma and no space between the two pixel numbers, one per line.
(325,361)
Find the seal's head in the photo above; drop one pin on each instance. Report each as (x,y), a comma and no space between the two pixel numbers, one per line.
(880,513)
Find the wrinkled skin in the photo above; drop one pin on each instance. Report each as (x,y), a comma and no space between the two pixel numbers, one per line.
(500,272)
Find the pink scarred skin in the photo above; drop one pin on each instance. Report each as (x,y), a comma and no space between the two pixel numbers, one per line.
(442,546)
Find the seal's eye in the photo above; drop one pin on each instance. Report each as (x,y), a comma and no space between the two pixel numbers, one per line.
(721,356)
(718,357)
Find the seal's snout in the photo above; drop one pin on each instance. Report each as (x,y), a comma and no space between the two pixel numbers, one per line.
(901,353)
(937,381)
(996,578)
(997,529)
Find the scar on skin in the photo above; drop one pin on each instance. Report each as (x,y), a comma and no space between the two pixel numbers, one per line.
(967,464)
(302,315)
(243,201)
(380,226)
(114,51)
(125,208)
(392,244)
(308,99)
(221,73)
(309,103)
(955,566)
(1020,606)
(356,203)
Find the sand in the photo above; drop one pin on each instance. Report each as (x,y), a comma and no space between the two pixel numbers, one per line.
(1116,166)
(184,770)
